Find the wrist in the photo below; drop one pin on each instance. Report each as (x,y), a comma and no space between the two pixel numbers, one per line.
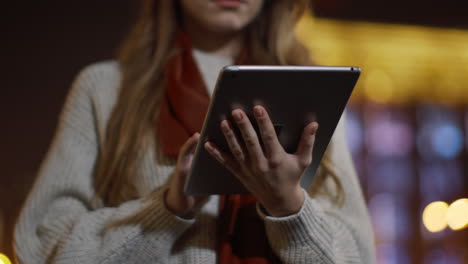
(285,205)
(172,204)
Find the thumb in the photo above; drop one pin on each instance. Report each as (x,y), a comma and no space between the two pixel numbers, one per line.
(306,145)
(188,148)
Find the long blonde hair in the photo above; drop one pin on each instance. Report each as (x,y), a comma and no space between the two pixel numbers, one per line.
(143,56)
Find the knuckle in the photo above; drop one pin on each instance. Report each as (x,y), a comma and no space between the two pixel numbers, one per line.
(250,141)
(263,169)
(241,123)
(308,144)
(238,153)
(274,162)
(262,120)
(228,133)
(305,162)
(220,158)
(268,137)
(231,138)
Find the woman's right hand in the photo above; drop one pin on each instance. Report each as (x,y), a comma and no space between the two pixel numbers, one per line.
(176,200)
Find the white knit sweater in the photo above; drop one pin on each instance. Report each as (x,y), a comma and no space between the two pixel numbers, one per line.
(59,225)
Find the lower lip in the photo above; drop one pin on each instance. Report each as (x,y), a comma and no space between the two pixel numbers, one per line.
(229,3)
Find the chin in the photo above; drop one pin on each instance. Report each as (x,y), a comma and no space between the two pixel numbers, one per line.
(229,24)
(227,29)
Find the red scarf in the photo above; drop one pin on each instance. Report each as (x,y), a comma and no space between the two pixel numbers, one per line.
(242,233)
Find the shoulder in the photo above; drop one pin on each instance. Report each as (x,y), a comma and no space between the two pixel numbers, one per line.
(99,74)
(93,94)
(98,84)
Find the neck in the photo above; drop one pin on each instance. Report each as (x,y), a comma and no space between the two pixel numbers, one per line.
(222,44)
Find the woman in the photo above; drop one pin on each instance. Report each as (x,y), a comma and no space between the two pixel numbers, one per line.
(111,187)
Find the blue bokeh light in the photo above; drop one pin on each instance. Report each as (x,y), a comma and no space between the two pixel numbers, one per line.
(447,140)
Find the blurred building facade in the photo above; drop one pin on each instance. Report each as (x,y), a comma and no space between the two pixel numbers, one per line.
(407,127)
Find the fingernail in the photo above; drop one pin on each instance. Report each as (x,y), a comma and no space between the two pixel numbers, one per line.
(237,116)
(258,112)
(315,128)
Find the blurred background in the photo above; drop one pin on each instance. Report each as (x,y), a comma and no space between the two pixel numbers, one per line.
(407,120)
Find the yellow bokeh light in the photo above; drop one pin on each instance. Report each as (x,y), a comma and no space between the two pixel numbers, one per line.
(378,86)
(457,214)
(409,64)
(4,259)
(434,216)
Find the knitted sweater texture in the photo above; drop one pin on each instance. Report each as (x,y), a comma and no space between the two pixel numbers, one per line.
(59,223)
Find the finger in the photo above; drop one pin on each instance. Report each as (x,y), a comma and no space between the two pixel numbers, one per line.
(189,145)
(249,136)
(187,149)
(232,141)
(267,132)
(306,145)
(223,158)
(193,144)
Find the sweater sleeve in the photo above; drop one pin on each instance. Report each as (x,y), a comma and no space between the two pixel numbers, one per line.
(58,223)
(323,232)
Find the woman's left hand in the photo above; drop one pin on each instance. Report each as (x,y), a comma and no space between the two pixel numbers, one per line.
(271,174)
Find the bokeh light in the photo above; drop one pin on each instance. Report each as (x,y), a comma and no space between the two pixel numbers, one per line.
(440,139)
(466,129)
(434,216)
(4,259)
(401,63)
(457,214)
(389,137)
(447,140)
(410,107)
(378,86)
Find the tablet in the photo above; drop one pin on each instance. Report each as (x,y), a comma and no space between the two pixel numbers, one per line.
(294,96)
